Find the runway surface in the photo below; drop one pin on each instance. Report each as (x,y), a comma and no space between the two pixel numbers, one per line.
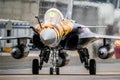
(59,77)
(21,69)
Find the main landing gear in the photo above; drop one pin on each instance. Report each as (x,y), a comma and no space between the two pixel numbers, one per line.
(89,64)
(44,57)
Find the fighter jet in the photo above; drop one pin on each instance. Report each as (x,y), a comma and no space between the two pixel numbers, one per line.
(57,34)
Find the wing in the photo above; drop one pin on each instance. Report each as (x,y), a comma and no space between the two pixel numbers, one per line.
(15,37)
(106,36)
(98,36)
(86,33)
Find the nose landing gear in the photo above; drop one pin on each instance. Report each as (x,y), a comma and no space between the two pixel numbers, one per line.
(54,67)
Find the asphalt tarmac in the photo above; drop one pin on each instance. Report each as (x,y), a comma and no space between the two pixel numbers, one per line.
(12,69)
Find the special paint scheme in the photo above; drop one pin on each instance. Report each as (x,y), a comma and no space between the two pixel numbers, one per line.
(55,35)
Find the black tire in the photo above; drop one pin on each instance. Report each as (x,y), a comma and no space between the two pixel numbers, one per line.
(51,71)
(92,67)
(35,66)
(57,71)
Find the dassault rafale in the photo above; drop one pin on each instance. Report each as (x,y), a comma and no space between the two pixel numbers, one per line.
(55,35)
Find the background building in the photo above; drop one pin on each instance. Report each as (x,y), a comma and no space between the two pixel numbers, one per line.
(12,28)
(24,10)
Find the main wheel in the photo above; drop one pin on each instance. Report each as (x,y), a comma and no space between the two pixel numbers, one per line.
(51,71)
(92,67)
(35,66)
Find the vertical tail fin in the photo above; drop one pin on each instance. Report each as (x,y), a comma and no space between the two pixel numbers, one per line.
(69,9)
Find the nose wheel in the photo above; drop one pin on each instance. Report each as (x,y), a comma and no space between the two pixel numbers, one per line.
(56,70)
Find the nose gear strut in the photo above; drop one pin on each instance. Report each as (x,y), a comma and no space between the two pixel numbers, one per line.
(54,60)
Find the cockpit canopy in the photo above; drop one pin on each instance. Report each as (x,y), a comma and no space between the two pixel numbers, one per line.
(53,16)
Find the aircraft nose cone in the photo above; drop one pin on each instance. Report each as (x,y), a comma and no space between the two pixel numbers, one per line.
(48,36)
